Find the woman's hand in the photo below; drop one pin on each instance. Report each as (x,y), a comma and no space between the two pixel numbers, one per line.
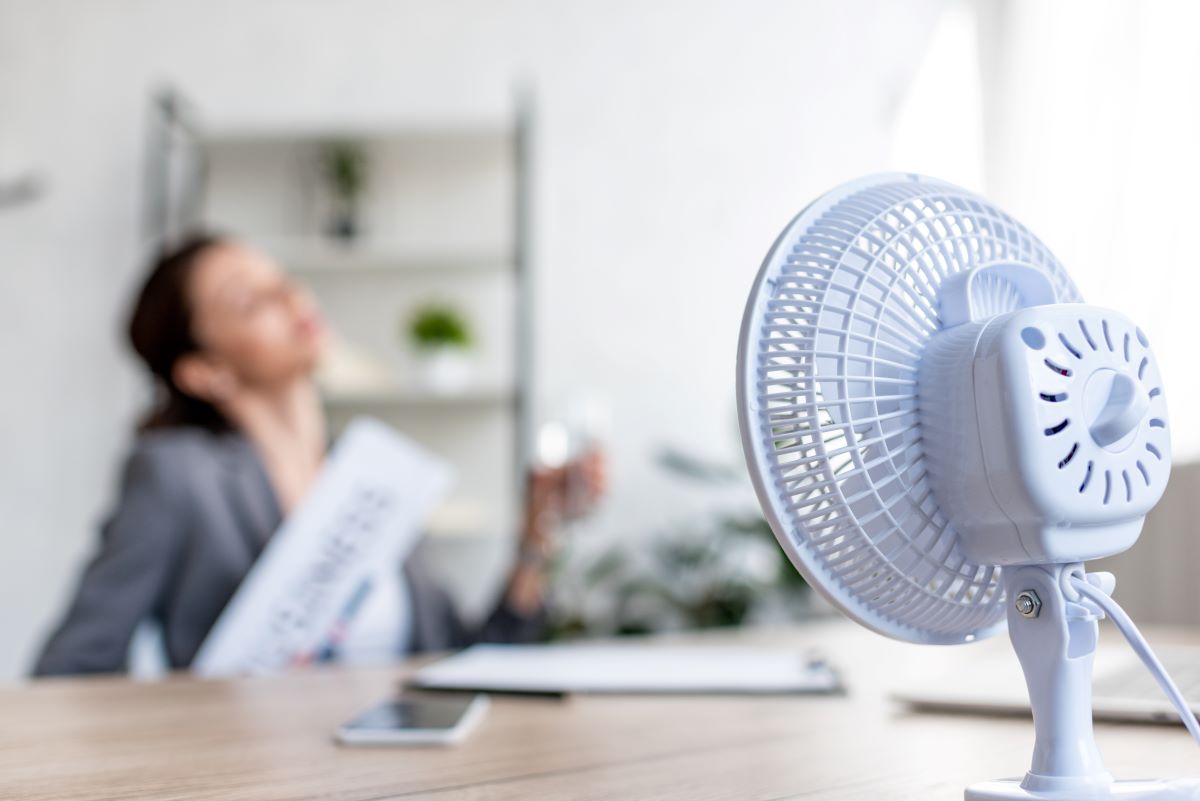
(552,495)
(556,494)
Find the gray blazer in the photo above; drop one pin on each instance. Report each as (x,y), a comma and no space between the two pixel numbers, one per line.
(195,510)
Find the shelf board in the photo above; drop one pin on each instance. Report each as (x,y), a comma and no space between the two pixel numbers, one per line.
(219,133)
(461,519)
(438,535)
(316,256)
(400,396)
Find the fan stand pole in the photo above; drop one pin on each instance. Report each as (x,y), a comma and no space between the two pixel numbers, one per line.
(1055,640)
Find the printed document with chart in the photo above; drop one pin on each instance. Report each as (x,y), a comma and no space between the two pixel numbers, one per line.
(367,509)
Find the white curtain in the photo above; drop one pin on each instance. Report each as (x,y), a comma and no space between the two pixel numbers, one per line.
(1082,118)
(1092,138)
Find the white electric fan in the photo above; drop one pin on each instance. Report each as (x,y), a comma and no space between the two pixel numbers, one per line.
(941,433)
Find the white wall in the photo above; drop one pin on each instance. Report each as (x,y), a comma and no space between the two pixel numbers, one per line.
(676,139)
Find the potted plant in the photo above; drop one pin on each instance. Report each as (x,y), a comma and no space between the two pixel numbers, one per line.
(722,568)
(344,167)
(442,340)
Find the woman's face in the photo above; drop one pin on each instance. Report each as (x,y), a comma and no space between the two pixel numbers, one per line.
(251,319)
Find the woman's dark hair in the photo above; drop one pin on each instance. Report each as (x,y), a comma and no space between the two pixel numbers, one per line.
(160,330)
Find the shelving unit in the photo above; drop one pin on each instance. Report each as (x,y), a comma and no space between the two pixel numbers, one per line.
(445,219)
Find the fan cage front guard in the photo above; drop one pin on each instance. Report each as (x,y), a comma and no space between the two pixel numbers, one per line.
(827,398)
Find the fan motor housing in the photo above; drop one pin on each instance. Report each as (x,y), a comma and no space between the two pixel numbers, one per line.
(1046,433)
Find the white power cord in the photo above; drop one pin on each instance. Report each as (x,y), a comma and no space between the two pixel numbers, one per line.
(1142,648)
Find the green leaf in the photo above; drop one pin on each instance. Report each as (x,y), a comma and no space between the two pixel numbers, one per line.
(435,325)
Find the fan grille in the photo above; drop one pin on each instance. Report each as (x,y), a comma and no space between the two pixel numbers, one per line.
(833,335)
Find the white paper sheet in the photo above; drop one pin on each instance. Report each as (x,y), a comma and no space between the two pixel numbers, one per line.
(366,509)
(620,667)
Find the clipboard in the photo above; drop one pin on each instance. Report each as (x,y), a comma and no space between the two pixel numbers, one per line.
(367,507)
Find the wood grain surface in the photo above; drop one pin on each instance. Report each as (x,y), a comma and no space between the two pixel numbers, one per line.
(271,738)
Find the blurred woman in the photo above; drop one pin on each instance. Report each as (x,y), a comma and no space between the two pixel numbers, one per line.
(235,441)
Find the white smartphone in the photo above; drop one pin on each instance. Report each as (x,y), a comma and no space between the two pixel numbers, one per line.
(415,720)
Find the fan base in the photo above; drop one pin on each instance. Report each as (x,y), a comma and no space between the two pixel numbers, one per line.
(1157,789)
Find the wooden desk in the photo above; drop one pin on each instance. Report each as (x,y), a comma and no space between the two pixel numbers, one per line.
(268,739)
